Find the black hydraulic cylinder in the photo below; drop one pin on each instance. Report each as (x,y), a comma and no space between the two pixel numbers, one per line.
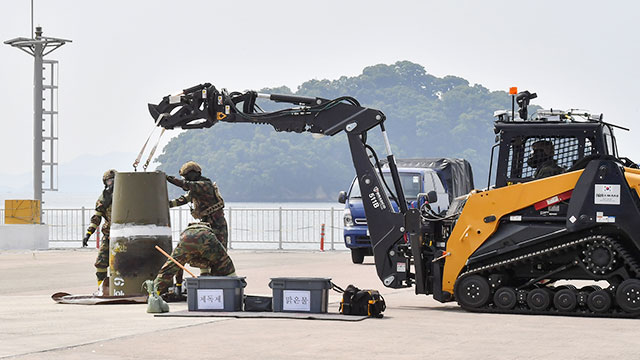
(398,186)
(293,99)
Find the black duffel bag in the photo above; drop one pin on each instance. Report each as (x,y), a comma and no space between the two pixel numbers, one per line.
(361,302)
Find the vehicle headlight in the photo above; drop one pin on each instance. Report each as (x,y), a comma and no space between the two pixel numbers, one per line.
(348,220)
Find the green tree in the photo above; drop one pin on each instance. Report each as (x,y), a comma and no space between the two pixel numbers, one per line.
(427,116)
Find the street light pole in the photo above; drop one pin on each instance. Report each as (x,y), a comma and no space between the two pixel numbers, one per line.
(38,47)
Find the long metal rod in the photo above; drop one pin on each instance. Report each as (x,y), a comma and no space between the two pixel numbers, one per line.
(37,120)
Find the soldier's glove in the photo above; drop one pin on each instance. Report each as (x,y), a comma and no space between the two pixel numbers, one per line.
(177,182)
(85,240)
(174,181)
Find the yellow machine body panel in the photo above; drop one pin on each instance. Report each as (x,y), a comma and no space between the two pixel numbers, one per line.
(22,211)
(633,178)
(471,230)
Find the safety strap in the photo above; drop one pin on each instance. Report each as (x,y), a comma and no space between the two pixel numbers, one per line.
(213,208)
(135,163)
(336,288)
(146,163)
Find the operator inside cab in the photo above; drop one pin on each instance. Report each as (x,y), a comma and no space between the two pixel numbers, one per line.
(541,159)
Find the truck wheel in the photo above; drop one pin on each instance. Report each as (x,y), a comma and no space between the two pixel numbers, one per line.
(357,255)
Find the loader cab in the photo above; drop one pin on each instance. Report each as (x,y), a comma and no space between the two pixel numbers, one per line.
(569,140)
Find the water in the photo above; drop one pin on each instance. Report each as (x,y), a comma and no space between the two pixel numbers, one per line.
(60,200)
(252,225)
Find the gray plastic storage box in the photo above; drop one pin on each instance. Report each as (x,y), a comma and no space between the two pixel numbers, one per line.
(215,293)
(300,294)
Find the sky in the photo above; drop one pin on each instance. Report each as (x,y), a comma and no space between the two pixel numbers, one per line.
(125,54)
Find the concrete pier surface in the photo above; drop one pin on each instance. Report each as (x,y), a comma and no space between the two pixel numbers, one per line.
(32,326)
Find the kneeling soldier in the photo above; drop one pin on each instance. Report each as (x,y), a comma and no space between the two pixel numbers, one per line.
(199,248)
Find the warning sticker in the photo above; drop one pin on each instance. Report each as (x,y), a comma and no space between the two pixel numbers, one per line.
(602,218)
(607,194)
(401,267)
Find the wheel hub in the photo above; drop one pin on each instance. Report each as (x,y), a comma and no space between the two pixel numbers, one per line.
(505,298)
(538,299)
(599,301)
(599,257)
(565,300)
(473,291)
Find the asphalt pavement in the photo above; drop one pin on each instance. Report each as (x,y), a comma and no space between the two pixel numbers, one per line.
(32,326)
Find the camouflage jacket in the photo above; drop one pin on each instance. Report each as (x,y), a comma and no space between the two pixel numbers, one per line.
(204,195)
(200,248)
(548,168)
(103,210)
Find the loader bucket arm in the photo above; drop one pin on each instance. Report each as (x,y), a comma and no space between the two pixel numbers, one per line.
(203,105)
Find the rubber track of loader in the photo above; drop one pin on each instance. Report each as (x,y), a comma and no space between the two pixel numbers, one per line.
(623,254)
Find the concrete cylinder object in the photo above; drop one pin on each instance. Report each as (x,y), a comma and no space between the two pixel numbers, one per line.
(139,221)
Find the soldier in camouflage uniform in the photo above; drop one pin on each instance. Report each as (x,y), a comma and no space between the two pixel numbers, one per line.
(208,205)
(541,159)
(103,210)
(199,248)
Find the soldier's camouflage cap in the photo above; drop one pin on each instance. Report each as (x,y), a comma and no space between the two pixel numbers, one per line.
(190,166)
(109,174)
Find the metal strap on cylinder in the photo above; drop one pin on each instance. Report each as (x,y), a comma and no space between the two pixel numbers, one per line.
(137,161)
(153,151)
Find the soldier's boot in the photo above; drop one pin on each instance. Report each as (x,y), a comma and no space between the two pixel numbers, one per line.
(103,287)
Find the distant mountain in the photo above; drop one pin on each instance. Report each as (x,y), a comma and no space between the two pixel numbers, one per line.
(427,116)
(80,177)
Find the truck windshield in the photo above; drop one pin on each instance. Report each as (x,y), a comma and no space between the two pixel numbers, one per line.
(411,185)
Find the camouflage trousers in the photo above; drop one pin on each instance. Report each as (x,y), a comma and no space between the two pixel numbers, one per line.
(102,261)
(219,226)
(199,249)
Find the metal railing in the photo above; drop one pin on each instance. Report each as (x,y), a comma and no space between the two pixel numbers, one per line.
(249,228)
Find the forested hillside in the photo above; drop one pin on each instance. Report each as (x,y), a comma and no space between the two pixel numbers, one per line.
(427,116)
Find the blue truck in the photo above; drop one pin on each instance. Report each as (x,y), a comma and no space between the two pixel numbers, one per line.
(448,178)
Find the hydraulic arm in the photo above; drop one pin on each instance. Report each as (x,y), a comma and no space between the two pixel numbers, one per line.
(203,105)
